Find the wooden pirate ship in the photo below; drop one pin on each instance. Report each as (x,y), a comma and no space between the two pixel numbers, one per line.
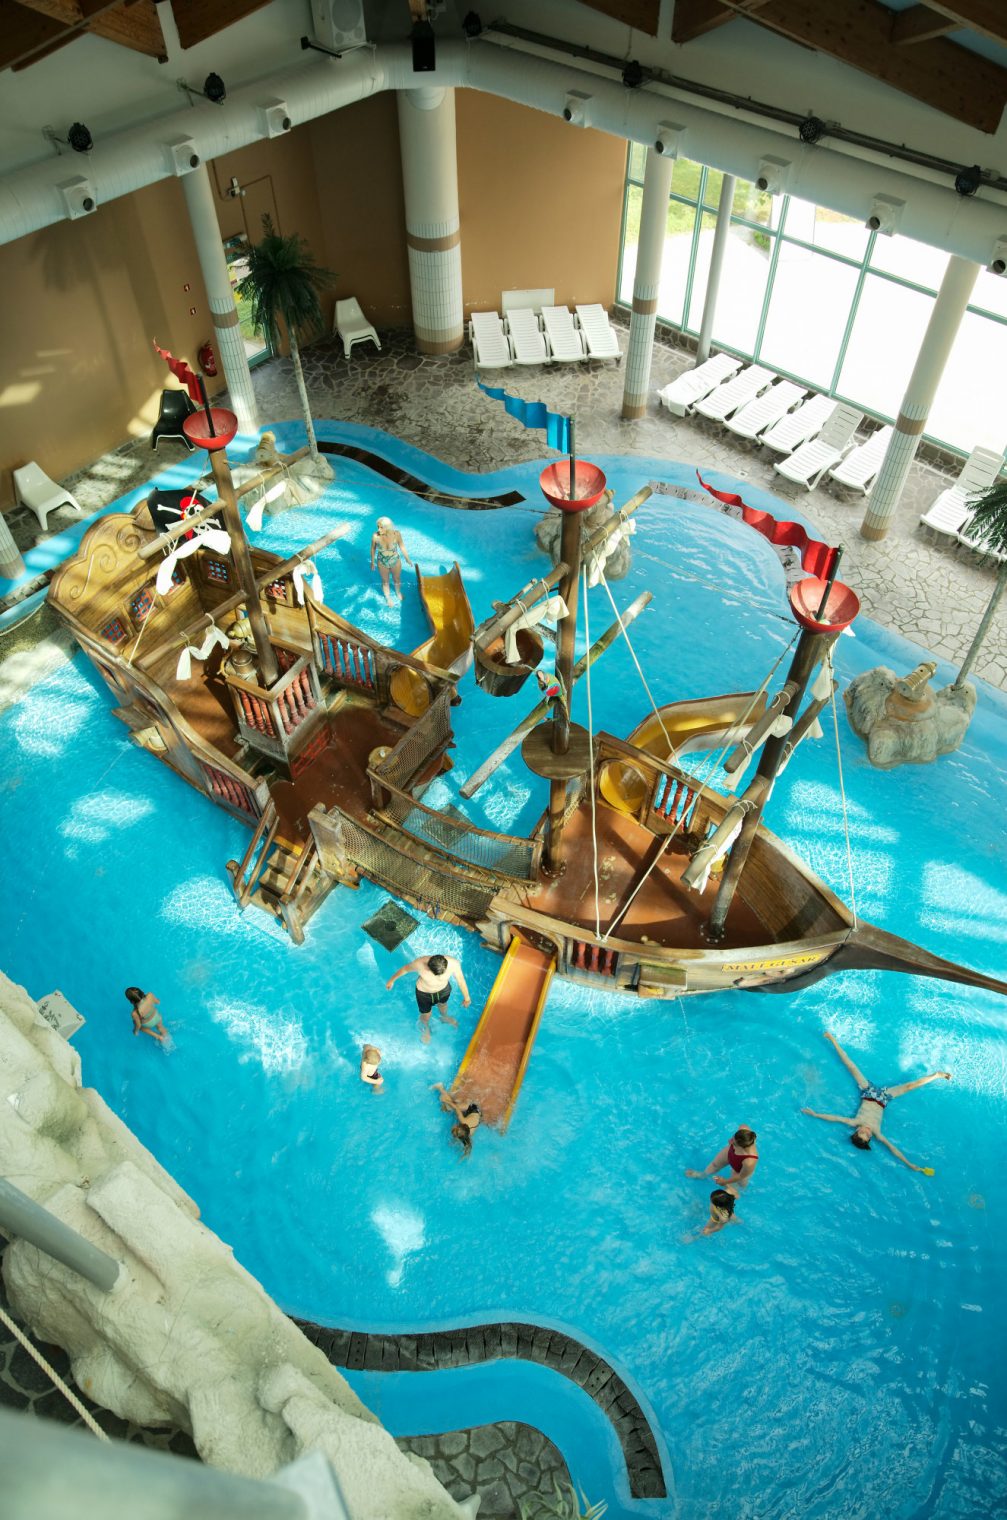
(323,741)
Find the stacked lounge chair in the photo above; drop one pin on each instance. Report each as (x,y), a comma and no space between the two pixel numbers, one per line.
(600,337)
(798,427)
(489,341)
(565,338)
(682,393)
(950,514)
(766,409)
(859,469)
(527,338)
(737,392)
(808,463)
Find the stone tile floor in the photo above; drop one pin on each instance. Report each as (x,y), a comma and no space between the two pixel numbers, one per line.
(929,592)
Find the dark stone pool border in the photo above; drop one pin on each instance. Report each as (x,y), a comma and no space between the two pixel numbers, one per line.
(413,483)
(429,1351)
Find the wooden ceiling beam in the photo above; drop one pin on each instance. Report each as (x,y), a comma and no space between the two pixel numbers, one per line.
(694,18)
(942,75)
(197,19)
(641,15)
(34,28)
(133,26)
(920,23)
(987,17)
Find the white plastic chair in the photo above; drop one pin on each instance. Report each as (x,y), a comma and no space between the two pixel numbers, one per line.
(352,326)
(744,387)
(600,336)
(490,344)
(798,427)
(766,409)
(950,513)
(858,470)
(682,393)
(34,490)
(808,463)
(527,338)
(565,340)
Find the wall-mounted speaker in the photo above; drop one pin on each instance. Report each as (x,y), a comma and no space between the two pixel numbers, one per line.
(576,107)
(669,139)
(182,155)
(773,175)
(998,258)
(276,117)
(885,214)
(339,24)
(78,197)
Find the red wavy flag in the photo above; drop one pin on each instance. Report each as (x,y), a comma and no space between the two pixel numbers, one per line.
(816,557)
(182,372)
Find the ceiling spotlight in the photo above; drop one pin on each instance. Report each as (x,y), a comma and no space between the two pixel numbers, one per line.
(424,47)
(967,181)
(471,24)
(812,129)
(214,89)
(632,75)
(78,138)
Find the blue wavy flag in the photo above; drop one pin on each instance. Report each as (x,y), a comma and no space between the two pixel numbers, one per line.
(533,414)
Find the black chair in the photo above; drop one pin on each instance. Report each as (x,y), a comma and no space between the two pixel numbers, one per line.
(175,407)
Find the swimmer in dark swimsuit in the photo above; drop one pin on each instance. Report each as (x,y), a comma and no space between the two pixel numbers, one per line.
(740,1155)
(468,1117)
(866,1123)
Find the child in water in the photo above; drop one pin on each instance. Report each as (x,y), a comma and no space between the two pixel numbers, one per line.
(721,1212)
(369,1073)
(146,1019)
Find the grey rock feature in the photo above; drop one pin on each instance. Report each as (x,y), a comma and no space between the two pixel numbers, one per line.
(549,528)
(903,721)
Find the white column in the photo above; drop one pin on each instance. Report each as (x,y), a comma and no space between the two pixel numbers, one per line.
(11,563)
(647,282)
(720,236)
(938,340)
(433,236)
(227,334)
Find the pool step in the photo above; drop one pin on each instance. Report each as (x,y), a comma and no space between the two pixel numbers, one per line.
(287,884)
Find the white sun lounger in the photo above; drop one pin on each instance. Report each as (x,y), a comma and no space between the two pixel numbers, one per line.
(978,545)
(798,427)
(600,336)
(808,463)
(766,409)
(565,339)
(527,338)
(489,341)
(860,467)
(681,394)
(951,512)
(744,387)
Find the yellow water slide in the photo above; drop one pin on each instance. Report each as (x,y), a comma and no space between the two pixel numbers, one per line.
(494,1065)
(450,643)
(702,723)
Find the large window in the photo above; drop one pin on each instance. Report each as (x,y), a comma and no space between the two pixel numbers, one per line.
(817,296)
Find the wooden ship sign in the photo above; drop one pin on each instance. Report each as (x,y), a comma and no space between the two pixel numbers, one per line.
(230,669)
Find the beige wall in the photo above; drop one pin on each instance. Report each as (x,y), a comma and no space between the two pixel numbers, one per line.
(540,205)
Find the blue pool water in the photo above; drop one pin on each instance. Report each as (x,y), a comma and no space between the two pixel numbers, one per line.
(837,1354)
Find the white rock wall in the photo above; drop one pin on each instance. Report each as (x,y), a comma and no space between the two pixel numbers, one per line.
(188,1338)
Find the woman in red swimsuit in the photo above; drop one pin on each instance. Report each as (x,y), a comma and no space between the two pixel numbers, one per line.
(740,1155)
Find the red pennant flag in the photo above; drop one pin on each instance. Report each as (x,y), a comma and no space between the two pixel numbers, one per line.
(182,372)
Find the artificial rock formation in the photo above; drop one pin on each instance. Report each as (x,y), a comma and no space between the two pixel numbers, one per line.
(187,1337)
(903,721)
(614,558)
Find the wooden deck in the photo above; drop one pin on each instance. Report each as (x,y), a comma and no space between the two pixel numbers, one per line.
(664,911)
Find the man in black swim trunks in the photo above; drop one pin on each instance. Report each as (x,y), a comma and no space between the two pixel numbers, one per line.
(433,987)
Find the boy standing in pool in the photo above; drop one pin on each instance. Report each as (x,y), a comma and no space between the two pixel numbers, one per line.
(433,987)
(866,1122)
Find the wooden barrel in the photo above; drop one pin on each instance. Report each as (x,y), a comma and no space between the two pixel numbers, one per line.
(499,678)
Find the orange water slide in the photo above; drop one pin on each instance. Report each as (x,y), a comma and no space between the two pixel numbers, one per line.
(494,1065)
(450,617)
(700,724)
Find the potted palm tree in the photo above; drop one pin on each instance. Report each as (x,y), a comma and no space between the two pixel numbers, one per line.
(282,285)
(989,527)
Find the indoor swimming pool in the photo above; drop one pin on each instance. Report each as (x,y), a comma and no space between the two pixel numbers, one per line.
(837,1354)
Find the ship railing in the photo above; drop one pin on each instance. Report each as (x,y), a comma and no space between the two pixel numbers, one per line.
(278,720)
(349,659)
(419,746)
(504,855)
(580,954)
(347,846)
(670,801)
